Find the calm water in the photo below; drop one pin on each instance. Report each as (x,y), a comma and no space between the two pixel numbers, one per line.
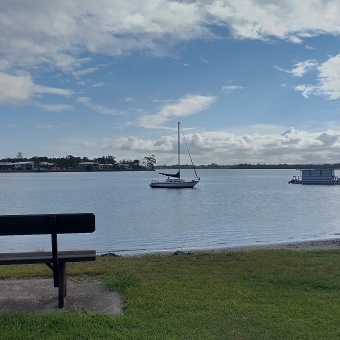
(228,208)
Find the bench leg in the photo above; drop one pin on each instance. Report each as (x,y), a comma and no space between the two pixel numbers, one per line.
(62,283)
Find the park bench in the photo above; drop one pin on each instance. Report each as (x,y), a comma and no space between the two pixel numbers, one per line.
(49,224)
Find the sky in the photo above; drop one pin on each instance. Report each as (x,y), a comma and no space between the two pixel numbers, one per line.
(251,81)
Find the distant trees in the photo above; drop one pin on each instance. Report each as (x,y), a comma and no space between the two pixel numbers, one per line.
(107,160)
(67,162)
(131,164)
(71,162)
(150,162)
(136,163)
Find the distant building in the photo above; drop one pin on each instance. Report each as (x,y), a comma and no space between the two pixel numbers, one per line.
(27,166)
(83,165)
(6,166)
(125,166)
(106,166)
(47,165)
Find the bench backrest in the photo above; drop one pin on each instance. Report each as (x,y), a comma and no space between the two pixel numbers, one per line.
(47,224)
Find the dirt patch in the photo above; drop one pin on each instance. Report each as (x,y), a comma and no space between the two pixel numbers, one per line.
(39,296)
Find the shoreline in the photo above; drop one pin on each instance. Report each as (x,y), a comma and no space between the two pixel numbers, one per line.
(326,244)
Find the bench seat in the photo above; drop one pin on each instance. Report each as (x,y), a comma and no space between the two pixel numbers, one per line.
(53,225)
(47,257)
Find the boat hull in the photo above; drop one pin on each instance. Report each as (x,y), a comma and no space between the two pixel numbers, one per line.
(294,181)
(178,185)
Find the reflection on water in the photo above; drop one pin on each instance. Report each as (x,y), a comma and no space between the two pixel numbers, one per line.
(227,208)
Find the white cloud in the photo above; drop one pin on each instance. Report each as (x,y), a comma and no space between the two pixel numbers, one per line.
(131,143)
(98,84)
(185,106)
(294,39)
(99,108)
(89,144)
(204,60)
(56,33)
(289,146)
(328,84)
(300,68)
(230,88)
(56,107)
(81,73)
(16,89)
(290,20)
(329,76)
(50,126)
(306,90)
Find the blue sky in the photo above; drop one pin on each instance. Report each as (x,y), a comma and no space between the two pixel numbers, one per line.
(251,81)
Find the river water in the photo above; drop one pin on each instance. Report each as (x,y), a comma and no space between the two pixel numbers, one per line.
(227,208)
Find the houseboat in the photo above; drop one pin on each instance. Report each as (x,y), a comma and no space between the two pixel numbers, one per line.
(316,177)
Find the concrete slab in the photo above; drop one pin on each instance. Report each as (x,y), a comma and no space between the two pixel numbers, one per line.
(39,296)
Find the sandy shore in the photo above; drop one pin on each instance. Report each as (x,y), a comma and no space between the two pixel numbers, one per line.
(327,244)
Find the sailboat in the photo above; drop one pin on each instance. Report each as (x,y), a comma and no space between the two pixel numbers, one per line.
(176,181)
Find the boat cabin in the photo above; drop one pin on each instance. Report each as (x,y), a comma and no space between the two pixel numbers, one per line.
(317,175)
(174,180)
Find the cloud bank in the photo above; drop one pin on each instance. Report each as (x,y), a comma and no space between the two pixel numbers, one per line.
(289,146)
(56,34)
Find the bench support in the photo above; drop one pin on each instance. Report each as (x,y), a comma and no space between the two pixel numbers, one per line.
(54,239)
(62,284)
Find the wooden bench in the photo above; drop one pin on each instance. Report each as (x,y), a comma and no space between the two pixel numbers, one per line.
(49,224)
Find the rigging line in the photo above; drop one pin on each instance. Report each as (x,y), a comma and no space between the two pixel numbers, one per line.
(189,152)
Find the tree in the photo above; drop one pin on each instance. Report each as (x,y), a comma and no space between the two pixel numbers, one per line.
(150,162)
(68,162)
(19,155)
(136,163)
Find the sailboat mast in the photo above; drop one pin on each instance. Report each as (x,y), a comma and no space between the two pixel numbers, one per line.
(179,151)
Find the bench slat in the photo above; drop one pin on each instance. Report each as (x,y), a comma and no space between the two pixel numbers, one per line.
(41,224)
(46,257)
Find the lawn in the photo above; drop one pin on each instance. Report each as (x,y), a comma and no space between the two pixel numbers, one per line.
(264,294)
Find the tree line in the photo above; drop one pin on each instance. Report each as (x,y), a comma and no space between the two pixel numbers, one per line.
(70,162)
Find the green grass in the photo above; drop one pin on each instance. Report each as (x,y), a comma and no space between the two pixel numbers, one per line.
(268,294)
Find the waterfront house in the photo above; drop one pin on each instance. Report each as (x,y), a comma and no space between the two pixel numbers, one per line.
(49,166)
(125,166)
(106,166)
(5,166)
(27,166)
(94,165)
